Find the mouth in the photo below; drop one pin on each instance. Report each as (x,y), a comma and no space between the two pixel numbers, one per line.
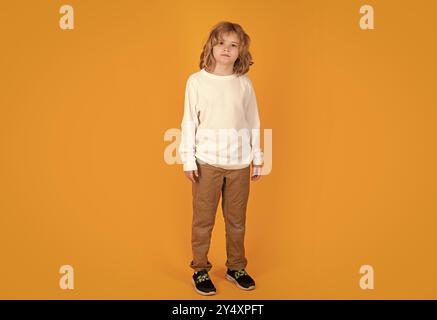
(226,55)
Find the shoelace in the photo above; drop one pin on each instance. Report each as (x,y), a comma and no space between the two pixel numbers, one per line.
(202,277)
(240,273)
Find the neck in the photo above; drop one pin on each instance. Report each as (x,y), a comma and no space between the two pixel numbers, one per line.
(223,70)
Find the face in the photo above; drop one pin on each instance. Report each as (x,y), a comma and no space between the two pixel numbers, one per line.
(227,49)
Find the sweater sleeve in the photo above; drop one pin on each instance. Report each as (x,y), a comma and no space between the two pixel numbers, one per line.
(254,124)
(189,124)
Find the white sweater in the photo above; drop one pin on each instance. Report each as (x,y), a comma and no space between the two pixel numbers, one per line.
(220,124)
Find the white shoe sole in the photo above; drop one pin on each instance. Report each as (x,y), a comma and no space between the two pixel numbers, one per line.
(201,292)
(228,277)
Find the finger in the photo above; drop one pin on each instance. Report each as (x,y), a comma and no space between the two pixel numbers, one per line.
(189,175)
(195,176)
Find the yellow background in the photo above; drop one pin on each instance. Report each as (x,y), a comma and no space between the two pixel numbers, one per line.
(83,180)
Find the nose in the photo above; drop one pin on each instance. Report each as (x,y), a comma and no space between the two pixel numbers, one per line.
(228,47)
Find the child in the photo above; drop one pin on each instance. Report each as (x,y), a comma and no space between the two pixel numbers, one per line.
(220,102)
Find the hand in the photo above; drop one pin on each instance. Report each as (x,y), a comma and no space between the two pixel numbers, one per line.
(256,172)
(192,175)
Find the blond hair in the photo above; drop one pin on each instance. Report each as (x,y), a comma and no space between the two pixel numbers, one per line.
(244,60)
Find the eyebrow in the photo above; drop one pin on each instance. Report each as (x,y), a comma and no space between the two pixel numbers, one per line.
(231,41)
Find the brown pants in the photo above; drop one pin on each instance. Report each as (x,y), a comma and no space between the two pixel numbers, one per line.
(234,187)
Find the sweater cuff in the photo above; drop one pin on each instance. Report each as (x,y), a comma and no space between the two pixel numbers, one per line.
(190,166)
(258,159)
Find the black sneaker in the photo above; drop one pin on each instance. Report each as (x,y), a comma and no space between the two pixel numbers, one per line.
(203,284)
(241,278)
